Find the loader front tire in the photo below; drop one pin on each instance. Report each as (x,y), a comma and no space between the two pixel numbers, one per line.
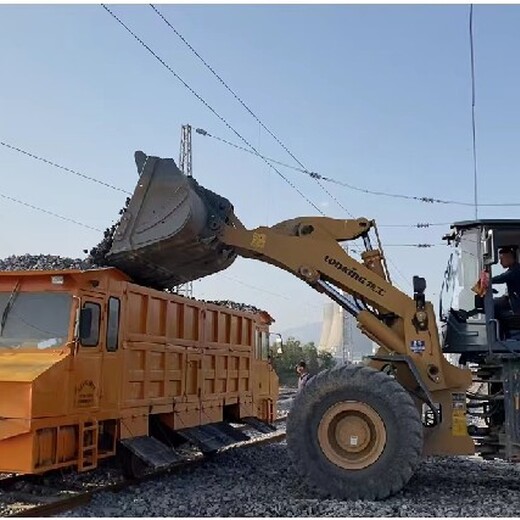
(355,433)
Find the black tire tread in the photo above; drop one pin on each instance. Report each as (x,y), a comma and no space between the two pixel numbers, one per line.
(380,385)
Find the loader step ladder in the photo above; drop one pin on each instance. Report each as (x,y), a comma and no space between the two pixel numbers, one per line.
(88,445)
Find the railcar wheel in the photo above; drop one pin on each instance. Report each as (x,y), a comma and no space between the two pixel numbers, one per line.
(355,433)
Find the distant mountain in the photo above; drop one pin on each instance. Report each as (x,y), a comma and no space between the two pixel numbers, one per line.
(312,332)
(305,333)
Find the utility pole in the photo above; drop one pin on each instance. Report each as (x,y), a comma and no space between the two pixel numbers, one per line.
(346,347)
(347,353)
(185,166)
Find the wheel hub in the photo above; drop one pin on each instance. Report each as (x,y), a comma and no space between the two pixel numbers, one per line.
(352,435)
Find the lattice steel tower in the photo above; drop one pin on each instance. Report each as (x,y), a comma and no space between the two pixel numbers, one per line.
(185,155)
(185,165)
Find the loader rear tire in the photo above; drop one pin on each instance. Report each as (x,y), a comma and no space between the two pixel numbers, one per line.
(355,433)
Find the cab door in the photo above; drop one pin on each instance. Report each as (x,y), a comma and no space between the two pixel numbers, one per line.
(112,356)
(263,380)
(86,377)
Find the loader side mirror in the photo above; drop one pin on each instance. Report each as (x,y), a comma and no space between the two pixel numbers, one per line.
(419,286)
(489,249)
(85,323)
(276,346)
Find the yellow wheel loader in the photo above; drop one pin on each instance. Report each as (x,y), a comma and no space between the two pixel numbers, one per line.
(356,431)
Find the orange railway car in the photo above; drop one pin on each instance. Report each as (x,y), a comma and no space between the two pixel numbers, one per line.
(92,364)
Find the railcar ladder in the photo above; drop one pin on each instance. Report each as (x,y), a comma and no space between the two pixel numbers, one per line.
(269,410)
(88,445)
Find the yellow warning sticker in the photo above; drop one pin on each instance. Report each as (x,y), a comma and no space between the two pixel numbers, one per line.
(259,240)
(458,423)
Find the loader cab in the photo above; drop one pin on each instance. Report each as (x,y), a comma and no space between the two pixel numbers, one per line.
(469,324)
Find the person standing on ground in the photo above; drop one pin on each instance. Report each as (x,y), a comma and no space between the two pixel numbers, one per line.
(303,373)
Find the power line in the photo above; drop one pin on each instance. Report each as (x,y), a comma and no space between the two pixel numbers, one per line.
(420,246)
(237,97)
(68,219)
(12,199)
(93,179)
(418,225)
(107,185)
(42,210)
(473,127)
(256,288)
(399,272)
(207,105)
(64,168)
(254,151)
(316,175)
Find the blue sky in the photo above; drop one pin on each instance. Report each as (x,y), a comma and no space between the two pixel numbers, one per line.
(377,96)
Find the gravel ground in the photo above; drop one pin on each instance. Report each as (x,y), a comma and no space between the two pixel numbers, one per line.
(284,401)
(260,482)
(16,497)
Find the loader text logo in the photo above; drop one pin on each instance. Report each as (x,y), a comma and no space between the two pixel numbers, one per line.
(85,394)
(352,272)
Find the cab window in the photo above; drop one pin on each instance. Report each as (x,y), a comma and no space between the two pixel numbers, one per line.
(258,345)
(262,345)
(113,324)
(93,338)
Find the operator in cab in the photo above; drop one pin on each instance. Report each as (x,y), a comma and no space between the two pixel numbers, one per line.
(508,303)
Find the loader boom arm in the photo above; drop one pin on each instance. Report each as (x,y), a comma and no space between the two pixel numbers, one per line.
(309,248)
(404,327)
(175,230)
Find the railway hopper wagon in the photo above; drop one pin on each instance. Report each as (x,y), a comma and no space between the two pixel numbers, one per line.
(93,365)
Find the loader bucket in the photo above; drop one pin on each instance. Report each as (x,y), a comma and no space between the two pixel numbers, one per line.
(167,234)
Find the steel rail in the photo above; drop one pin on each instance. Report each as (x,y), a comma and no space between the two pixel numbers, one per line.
(81,498)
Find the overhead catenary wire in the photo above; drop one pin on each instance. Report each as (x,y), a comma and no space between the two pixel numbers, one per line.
(64,168)
(313,174)
(252,149)
(42,210)
(78,223)
(316,175)
(260,289)
(418,225)
(239,99)
(418,245)
(103,183)
(209,107)
(473,125)
(226,123)
(398,271)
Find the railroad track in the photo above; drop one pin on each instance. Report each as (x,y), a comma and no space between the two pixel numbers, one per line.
(32,496)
